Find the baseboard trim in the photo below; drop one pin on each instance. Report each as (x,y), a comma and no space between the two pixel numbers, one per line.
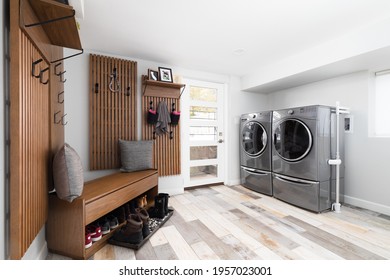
(380,208)
(204,186)
(233,182)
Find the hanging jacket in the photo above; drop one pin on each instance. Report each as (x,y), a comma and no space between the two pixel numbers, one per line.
(164,118)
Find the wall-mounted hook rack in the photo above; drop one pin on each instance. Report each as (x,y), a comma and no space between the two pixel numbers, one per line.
(33,67)
(55,69)
(60,97)
(41,76)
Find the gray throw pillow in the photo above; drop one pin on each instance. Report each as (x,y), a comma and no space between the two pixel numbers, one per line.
(136,155)
(68,173)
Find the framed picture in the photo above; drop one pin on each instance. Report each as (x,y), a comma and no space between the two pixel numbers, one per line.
(165,74)
(153,75)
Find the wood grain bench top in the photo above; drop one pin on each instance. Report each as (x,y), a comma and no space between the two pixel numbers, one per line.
(103,186)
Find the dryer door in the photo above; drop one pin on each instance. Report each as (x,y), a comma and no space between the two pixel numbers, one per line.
(292,140)
(254,139)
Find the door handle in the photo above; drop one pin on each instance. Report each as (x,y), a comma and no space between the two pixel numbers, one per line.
(220,141)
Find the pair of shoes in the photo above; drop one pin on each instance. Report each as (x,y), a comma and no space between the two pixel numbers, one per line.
(131,232)
(144,215)
(95,232)
(88,240)
(107,223)
(160,209)
(136,228)
(113,221)
(120,214)
(142,201)
(104,225)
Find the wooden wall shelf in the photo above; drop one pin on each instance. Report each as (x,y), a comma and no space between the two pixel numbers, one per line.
(161,89)
(58,21)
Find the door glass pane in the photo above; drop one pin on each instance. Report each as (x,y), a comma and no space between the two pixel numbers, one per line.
(203,113)
(203,172)
(203,133)
(203,94)
(293,140)
(203,152)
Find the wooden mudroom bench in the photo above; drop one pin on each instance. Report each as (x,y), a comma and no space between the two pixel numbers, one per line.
(65,230)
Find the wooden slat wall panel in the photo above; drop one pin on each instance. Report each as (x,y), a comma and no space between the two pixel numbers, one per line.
(30,151)
(166,151)
(112,114)
(33,137)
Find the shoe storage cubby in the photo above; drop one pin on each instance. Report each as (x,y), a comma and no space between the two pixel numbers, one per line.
(67,221)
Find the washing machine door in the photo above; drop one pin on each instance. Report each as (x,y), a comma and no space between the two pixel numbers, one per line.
(254,139)
(292,140)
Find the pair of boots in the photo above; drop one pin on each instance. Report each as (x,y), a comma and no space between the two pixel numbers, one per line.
(135,229)
(160,209)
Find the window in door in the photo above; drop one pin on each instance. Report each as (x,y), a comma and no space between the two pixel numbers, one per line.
(203,136)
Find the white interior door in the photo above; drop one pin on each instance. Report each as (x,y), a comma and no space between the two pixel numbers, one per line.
(202,133)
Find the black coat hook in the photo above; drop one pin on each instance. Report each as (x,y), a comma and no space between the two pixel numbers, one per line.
(151,105)
(128,91)
(173,106)
(171,134)
(33,67)
(55,117)
(154,134)
(59,99)
(55,69)
(41,76)
(62,77)
(97,88)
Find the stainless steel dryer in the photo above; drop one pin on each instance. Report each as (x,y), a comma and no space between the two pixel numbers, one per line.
(303,142)
(255,151)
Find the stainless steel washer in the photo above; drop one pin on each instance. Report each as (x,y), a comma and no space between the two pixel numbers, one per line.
(255,151)
(303,142)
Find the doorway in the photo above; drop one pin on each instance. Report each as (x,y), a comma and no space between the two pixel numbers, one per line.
(203,133)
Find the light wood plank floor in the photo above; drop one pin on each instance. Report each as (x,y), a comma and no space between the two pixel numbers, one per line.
(228,223)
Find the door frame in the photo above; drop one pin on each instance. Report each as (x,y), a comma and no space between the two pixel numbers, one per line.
(185,142)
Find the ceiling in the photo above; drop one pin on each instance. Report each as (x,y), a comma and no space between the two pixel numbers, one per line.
(232,37)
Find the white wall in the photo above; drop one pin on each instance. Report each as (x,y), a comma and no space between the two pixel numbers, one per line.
(366,158)
(362,41)
(238,103)
(76,108)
